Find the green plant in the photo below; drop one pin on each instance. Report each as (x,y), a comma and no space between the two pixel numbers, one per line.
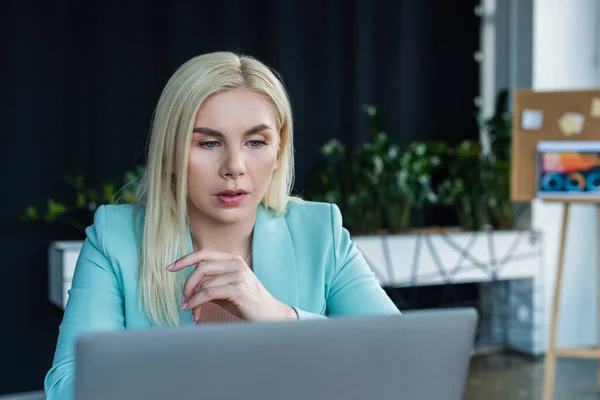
(479,184)
(497,165)
(360,182)
(86,200)
(383,186)
(351,181)
(498,206)
(379,186)
(463,187)
(419,165)
(499,128)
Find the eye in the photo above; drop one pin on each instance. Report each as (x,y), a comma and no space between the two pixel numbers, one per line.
(256,143)
(209,145)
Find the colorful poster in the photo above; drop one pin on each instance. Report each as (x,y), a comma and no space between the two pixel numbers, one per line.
(569,169)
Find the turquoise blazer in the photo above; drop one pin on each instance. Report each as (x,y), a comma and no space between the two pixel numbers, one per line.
(304,258)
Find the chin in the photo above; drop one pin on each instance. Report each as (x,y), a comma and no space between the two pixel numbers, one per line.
(232,215)
(220,214)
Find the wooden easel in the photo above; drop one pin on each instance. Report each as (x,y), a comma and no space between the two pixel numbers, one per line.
(524,187)
(553,352)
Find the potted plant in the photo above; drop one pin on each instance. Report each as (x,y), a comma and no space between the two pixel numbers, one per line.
(77,214)
(385,191)
(379,186)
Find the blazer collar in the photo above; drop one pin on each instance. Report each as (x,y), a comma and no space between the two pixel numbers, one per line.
(273,258)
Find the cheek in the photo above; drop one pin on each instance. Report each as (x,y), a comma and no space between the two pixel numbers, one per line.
(265,163)
(199,168)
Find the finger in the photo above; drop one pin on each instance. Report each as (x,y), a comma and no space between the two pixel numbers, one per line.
(226,292)
(197,257)
(196,313)
(206,269)
(222,280)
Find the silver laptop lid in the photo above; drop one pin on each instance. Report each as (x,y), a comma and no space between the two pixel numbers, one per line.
(420,355)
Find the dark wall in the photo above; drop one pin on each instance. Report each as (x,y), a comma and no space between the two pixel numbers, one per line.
(80,81)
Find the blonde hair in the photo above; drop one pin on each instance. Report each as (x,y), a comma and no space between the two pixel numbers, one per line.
(162,191)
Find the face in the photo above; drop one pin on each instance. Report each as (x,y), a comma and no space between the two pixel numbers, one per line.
(234,152)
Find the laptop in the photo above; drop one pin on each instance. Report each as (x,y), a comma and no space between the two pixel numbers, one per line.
(419,355)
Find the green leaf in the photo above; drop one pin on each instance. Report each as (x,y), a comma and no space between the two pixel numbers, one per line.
(108,192)
(370,110)
(55,210)
(80,200)
(79,181)
(31,212)
(66,178)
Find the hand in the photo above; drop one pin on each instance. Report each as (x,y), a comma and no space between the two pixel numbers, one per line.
(228,280)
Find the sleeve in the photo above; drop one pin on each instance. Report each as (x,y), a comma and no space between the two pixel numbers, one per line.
(353,288)
(95,303)
(305,315)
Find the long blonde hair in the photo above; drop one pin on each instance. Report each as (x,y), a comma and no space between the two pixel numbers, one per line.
(162,191)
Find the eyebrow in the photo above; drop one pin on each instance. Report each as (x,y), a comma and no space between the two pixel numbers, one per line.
(214,132)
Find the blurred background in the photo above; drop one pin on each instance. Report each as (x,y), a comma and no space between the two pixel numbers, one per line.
(403,118)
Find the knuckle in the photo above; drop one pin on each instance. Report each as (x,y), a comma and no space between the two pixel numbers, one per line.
(209,292)
(239,287)
(239,276)
(239,260)
(188,286)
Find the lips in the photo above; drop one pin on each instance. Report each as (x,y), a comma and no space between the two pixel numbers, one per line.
(232,192)
(232,198)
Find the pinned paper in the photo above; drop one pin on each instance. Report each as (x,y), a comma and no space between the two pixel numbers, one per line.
(571,124)
(595,112)
(532,120)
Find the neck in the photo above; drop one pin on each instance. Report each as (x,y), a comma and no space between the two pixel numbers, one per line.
(234,238)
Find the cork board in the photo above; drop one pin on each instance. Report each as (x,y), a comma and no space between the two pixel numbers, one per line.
(551,116)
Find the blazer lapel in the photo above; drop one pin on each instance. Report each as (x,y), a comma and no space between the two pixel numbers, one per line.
(273,258)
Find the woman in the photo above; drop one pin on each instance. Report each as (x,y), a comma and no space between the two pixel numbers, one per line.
(215,235)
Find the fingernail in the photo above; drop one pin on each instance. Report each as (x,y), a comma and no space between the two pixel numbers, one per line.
(182,299)
(184,306)
(170,266)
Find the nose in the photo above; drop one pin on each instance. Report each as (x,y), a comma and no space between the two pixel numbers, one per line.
(234,165)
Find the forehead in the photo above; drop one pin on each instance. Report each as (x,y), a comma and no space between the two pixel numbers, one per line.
(235,110)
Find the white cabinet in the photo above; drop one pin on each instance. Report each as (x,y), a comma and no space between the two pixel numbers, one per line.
(511,258)
(62,258)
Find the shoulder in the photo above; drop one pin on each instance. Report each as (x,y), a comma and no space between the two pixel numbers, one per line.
(317,221)
(313,216)
(120,217)
(115,228)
